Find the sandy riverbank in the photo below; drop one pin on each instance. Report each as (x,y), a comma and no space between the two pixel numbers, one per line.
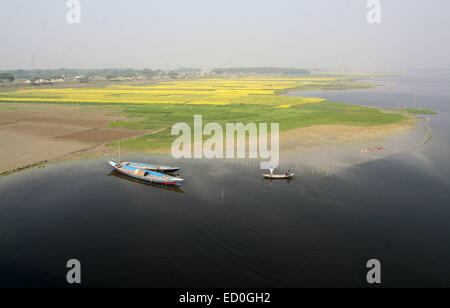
(315,137)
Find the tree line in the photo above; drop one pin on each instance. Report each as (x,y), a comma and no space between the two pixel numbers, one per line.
(107,73)
(261,70)
(7,77)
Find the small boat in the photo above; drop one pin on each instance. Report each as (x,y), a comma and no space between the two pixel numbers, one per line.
(288,175)
(164,169)
(145,175)
(279,176)
(173,188)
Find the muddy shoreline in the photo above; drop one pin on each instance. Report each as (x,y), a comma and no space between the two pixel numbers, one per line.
(32,134)
(344,151)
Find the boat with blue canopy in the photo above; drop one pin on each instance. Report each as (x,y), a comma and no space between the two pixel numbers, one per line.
(146,175)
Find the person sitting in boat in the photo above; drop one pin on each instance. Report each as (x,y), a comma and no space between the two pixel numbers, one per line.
(288,173)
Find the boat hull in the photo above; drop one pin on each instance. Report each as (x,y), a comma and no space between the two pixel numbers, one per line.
(146,175)
(151,181)
(279,176)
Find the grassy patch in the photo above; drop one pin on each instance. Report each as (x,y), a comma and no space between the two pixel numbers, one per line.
(160,118)
(419,111)
(39,164)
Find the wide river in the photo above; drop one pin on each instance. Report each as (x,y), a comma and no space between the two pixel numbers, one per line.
(228,227)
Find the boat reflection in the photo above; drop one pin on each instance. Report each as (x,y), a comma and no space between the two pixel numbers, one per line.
(288,181)
(159,186)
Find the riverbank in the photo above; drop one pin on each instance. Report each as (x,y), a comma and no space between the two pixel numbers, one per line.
(63,123)
(34,135)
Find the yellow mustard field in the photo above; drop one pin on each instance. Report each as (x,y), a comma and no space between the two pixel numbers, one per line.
(256,91)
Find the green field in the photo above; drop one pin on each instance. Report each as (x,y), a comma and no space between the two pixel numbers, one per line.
(157,118)
(157,107)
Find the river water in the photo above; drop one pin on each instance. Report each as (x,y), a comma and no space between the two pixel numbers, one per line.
(227,227)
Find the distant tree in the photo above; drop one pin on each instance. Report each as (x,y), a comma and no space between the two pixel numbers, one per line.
(7,77)
(149,73)
(84,79)
(172,74)
(260,70)
(21,74)
(188,70)
(128,72)
(159,73)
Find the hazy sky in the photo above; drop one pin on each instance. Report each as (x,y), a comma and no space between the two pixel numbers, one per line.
(328,34)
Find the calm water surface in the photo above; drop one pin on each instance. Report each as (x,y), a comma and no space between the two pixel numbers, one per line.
(227,227)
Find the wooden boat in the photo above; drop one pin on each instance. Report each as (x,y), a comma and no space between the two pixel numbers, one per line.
(289,175)
(150,167)
(146,175)
(173,188)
